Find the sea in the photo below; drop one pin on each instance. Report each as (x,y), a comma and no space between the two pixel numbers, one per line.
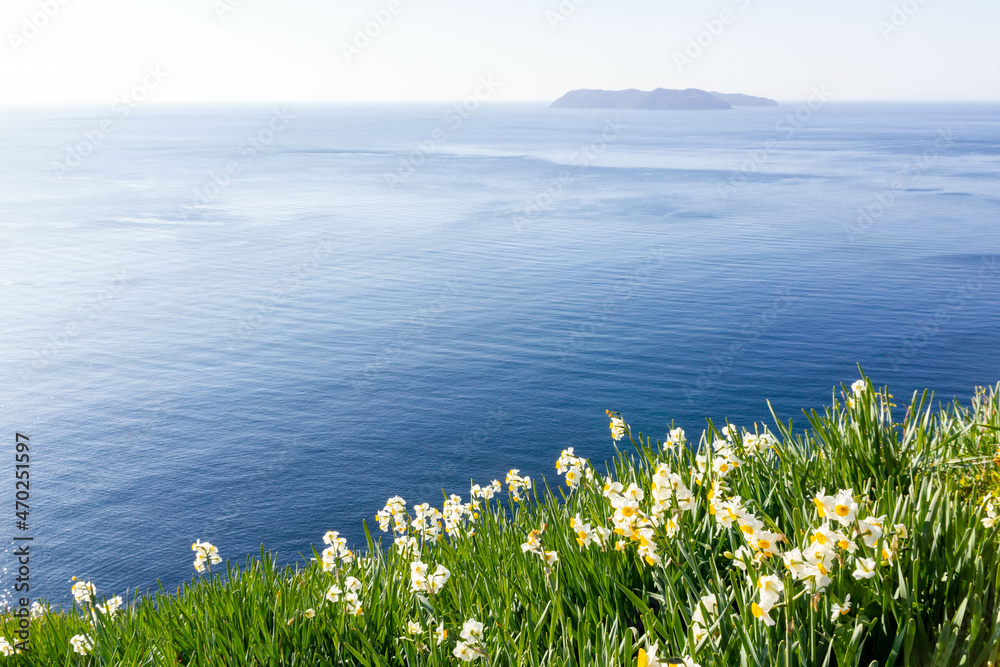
(253,324)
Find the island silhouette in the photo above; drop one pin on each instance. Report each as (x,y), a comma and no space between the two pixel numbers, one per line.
(661,99)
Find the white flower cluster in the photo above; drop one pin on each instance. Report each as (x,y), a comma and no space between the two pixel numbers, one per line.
(517,484)
(990,507)
(668,490)
(649,657)
(415,633)
(459,516)
(421,581)
(426,522)
(408,546)
(630,521)
(574,467)
(349,594)
(533,544)
(723,459)
(83,592)
(485,492)
(82,644)
(393,513)
(840,538)
(676,438)
(38,610)
(617,427)
(708,604)
(335,552)
(110,607)
(426,525)
(471,647)
(205,553)
(587,534)
(835,541)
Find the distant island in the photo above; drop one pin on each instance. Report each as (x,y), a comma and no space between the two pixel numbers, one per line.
(660,99)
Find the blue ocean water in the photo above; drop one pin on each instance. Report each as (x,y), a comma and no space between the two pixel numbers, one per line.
(253,325)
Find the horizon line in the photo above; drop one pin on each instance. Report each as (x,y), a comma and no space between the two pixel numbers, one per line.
(27,106)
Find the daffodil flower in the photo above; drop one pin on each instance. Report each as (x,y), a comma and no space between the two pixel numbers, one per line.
(472,630)
(6,648)
(761,613)
(516,484)
(110,607)
(617,427)
(864,568)
(82,644)
(871,531)
(838,610)
(205,553)
(824,505)
(648,656)
(353,604)
(83,591)
(676,438)
(770,588)
(844,507)
(710,604)
(467,652)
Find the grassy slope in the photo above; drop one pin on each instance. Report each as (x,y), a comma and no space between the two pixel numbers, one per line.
(935,604)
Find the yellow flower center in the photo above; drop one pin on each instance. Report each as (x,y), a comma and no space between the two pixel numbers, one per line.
(842,510)
(628,512)
(819,537)
(747,529)
(763,544)
(756,610)
(643,660)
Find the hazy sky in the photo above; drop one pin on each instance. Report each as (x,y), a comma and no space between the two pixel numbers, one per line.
(94,51)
